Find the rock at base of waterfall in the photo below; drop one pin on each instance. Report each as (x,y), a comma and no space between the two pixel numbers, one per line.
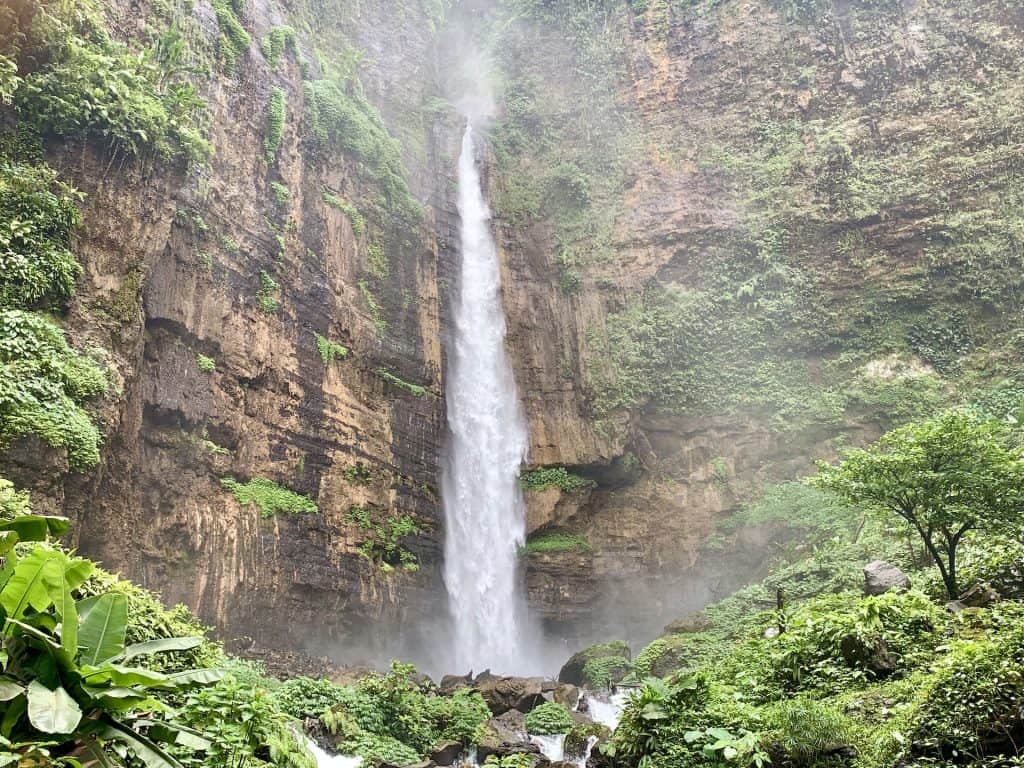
(510,693)
(567,695)
(598,666)
(452,683)
(446,753)
(881,577)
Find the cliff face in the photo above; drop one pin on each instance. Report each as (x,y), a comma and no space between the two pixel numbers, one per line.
(210,290)
(734,235)
(781,231)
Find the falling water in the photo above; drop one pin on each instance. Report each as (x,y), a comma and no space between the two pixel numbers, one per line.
(483,503)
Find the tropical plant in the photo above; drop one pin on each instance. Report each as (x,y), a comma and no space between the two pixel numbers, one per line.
(549,718)
(945,477)
(70,684)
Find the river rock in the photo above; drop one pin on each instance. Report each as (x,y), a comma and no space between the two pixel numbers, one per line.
(614,658)
(881,577)
(567,695)
(452,683)
(446,753)
(872,655)
(506,693)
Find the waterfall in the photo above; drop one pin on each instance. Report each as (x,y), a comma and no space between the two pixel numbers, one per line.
(483,503)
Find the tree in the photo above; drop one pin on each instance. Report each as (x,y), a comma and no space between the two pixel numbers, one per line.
(946,476)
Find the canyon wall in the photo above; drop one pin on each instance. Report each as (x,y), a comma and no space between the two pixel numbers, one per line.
(735,236)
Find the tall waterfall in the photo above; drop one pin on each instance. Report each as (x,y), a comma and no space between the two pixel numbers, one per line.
(483,503)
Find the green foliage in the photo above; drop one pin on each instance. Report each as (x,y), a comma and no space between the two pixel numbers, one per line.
(234,41)
(384,535)
(376,312)
(304,697)
(544,543)
(413,389)
(549,718)
(809,730)
(355,218)
(84,83)
(602,672)
(12,501)
(275,125)
(276,42)
(205,364)
(945,476)
(270,497)
(542,478)
(390,717)
(339,117)
(509,761)
(42,386)
(268,294)
(281,194)
(241,721)
(942,343)
(330,350)
(358,474)
(37,219)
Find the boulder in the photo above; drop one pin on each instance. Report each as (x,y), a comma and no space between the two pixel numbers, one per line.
(872,655)
(598,666)
(446,752)
(979,596)
(881,577)
(452,683)
(694,622)
(567,695)
(506,693)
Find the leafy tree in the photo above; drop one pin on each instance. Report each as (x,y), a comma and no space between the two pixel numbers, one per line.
(945,476)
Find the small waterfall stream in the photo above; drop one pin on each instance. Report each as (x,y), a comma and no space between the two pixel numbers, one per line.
(488,440)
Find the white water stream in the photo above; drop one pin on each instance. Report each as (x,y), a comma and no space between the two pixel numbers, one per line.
(488,440)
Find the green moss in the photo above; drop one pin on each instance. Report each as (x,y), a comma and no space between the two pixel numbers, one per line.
(413,389)
(270,497)
(546,543)
(205,364)
(234,40)
(275,124)
(542,478)
(268,294)
(275,43)
(354,216)
(330,350)
(376,311)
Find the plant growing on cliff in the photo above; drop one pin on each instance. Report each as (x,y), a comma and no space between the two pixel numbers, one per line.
(554,542)
(43,387)
(945,477)
(275,124)
(276,42)
(270,497)
(205,364)
(542,478)
(37,219)
(384,535)
(267,295)
(330,350)
(417,390)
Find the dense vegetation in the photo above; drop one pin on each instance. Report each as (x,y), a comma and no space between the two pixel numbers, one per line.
(839,678)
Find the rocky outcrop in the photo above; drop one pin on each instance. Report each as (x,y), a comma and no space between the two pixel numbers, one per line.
(881,577)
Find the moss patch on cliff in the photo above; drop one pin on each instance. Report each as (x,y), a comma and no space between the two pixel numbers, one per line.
(270,497)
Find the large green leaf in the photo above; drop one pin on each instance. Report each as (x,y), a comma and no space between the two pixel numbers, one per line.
(68,613)
(34,581)
(52,711)
(104,620)
(78,569)
(149,753)
(125,677)
(197,677)
(162,645)
(10,689)
(36,527)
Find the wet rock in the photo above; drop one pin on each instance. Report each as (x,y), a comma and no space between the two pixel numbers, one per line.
(451,683)
(567,695)
(979,596)
(597,666)
(694,622)
(506,693)
(881,577)
(446,753)
(870,654)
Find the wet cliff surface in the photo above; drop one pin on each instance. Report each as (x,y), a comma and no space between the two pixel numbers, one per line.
(734,236)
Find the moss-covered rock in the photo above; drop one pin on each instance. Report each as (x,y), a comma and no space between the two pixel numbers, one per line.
(599,666)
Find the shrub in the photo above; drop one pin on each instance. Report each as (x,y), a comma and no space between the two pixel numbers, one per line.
(89,84)
(305,697)
(205,364)
(267,295)
(542,478)
(43,386)
(554,542)
(809,730)
(270,497)
(330,350)
(548,719)
(37,218)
